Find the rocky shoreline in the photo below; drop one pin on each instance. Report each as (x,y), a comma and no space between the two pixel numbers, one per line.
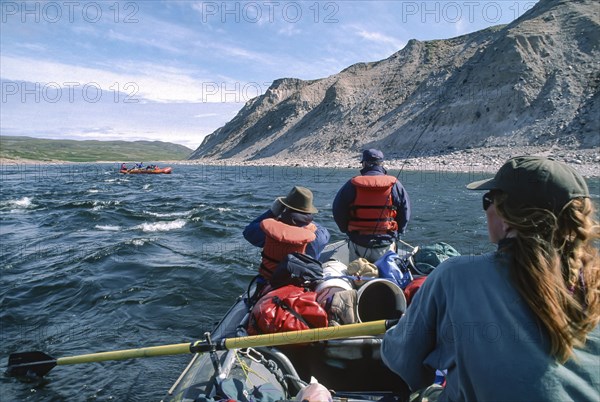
(585,161)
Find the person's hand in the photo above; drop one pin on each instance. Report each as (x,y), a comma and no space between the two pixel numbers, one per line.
(277,207)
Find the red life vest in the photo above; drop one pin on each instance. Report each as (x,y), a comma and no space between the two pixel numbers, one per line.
(280,240)
(372,211)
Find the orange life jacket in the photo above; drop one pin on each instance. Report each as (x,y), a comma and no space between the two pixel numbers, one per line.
(372,211)
(280,240)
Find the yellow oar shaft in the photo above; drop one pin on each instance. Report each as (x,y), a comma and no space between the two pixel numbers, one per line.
(307,335)
(283,338)
(152,351)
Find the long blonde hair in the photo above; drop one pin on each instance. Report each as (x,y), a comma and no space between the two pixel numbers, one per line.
(556,268)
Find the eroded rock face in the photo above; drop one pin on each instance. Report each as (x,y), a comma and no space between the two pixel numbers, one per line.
(534,82)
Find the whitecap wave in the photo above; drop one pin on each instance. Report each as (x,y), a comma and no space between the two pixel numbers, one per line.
(111,228)
(162,226)
(105,203)
(25,202)
(138,242)
(167,215)
(98,205)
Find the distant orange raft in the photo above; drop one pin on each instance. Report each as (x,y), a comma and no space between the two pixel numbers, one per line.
(165,170)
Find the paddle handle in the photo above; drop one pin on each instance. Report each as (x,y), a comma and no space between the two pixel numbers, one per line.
(165,350)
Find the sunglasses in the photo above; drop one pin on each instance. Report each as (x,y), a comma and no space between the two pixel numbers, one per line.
(488,199)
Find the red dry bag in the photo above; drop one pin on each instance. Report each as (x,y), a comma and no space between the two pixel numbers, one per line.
(288,308)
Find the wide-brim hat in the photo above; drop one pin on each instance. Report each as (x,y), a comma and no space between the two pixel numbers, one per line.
(299,199)
(538,182)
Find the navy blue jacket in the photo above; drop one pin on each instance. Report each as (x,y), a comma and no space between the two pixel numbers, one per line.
(255,235)
(345,197)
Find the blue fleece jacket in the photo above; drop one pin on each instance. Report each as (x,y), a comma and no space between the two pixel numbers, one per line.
(469,319)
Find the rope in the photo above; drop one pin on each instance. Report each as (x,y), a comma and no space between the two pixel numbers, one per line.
(247,369)
(271,366)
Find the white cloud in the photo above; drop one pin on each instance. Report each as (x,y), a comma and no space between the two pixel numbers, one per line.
(228,50)
(205,115)
(143,41)
(289,30)
(184,123)
(380,38)
(158,83)
(33,47)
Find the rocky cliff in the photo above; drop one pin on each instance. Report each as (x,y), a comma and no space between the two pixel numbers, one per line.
(533,82)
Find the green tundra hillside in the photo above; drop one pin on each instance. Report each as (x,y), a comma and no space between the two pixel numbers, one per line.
(16,147)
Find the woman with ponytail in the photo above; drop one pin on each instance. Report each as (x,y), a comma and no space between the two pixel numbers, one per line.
(519,324)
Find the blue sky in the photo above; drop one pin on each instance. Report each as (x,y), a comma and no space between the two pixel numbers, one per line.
(177,70)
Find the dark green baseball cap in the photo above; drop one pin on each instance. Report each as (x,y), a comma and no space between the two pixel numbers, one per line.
(535,181)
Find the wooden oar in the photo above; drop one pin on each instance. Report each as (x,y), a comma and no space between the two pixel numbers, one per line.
(39,363)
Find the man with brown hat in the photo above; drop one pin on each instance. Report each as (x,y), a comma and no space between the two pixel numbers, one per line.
(293,211)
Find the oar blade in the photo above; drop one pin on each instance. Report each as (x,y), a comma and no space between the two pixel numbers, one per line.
(30,364)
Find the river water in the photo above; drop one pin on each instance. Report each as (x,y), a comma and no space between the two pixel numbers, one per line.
(92,260)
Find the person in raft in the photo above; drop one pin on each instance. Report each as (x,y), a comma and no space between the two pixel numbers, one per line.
(520,323)
(372,209)
(285,228)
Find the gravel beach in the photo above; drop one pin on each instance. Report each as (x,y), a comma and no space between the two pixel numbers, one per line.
(585,161)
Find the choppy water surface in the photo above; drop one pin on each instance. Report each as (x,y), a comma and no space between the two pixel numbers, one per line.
(92,260)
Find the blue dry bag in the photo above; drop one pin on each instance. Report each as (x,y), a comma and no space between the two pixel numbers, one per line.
(391,266)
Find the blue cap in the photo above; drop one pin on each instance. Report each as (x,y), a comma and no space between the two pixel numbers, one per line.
(372,155)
